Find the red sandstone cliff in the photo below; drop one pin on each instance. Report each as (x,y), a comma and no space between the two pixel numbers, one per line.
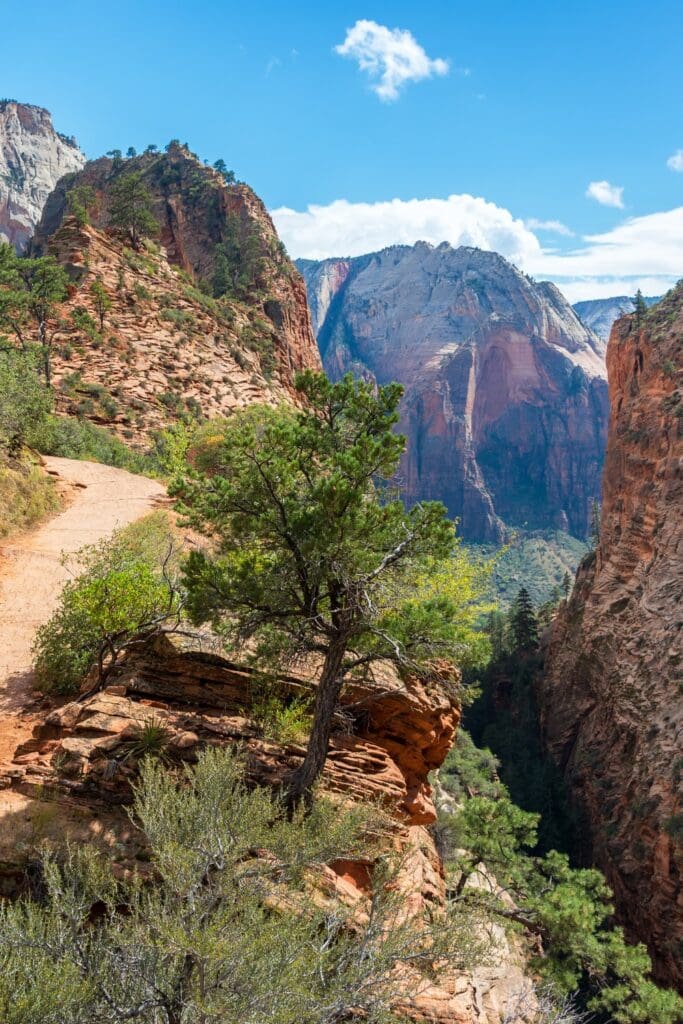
(505,409)
(612,694)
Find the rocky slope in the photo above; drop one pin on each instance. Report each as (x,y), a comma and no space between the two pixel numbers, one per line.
(385,745)
(505,408)
(33,157)
(167,346)
(600,314)
(612,693)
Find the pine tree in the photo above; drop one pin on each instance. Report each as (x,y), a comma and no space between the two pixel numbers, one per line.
(131,208)
(566,584)
(523,623)
(640,307)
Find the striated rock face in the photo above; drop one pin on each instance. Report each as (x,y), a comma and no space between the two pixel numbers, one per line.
(612,694)
(600,314)
(387,741)
(33,157)
(505,408)
(166,346)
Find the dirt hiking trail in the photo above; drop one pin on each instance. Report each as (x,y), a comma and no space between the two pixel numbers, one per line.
(31,575)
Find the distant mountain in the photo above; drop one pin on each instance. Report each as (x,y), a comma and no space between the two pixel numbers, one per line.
(505,408)
(33,157)
(600,314)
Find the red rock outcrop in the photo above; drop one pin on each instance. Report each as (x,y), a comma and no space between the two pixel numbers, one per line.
(166,346)
(505,409)
(387,739)
(612,693)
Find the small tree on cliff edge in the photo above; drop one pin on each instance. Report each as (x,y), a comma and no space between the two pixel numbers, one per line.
(639,307)
(131,208)
(310,561)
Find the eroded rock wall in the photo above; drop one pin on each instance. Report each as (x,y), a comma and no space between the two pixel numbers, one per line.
(505,409)
(612,694)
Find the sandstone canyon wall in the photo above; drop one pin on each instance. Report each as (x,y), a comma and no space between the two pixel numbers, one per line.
(612,695)
(33,157)
(505,409)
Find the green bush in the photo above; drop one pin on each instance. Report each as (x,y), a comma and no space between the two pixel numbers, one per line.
(27,495)
(223,934)
(125,591)
(24,400)
(74,438)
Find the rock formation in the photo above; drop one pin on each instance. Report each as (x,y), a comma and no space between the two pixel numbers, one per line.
(600,314)
(612,693)
(505,409)
(386,742)
(33,157)
(165,346)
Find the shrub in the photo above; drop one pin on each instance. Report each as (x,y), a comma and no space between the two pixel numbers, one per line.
(223,934)
(25,401)
(73,438)
(124,592)
(26,496)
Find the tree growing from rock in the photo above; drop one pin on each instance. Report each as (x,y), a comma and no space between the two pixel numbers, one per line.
(130,208)
(313,560)
(101,300)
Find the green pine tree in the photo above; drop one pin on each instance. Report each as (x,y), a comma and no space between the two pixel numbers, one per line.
(523,623)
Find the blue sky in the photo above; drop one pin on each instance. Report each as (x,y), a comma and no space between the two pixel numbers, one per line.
(538,101)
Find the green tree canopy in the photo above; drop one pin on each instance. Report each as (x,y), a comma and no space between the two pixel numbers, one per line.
(24,400)
(523,623)
(30,293)
(313,557)
(130,208)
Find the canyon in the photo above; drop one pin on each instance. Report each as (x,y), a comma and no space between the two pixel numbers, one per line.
(505,405)
(611,695)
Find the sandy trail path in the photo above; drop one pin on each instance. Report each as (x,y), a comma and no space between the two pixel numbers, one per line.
(31,576)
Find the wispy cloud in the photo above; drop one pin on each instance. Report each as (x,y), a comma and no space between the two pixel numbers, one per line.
(391,57)
(675,161)
(606,194)
(556,226)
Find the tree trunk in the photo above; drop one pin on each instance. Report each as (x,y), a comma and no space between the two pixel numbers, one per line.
(301,781)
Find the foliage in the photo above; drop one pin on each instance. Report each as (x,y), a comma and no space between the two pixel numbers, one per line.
(125,592)
(224,935)
(569,909)
(130,208)
(282,720)
(79,199)
(30,293)
(73,438)
(101,300)
(523,623)
(536,560)
(27,495)
(24,400)
(311,561)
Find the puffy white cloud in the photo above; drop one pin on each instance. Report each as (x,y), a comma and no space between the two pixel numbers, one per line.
(392,57)
(606,194)
(351,229)
(642,252)
(556,226)
(675,161)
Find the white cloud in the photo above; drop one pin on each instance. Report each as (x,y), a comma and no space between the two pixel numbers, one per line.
(641,252)
(556,226)
(606,194)
(391,57)
(351,229)
(675,161)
